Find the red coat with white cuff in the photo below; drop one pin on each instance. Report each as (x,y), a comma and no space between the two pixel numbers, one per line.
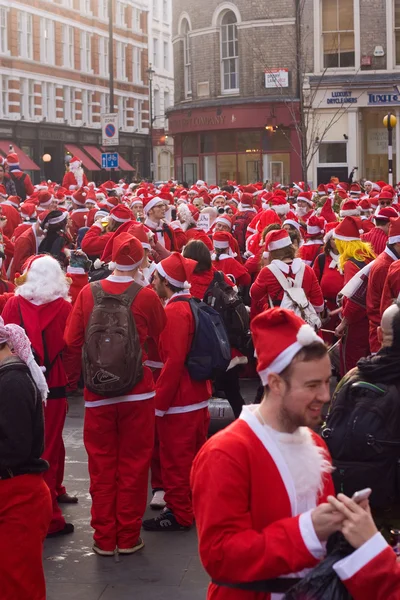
(78,218)
(391,289)
(95,240)
(310,250)
(376,283)
(230,266)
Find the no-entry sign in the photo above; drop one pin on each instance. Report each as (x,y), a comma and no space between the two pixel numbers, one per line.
(109,127)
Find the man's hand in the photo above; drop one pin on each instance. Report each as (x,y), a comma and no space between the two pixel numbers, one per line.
(358,525)
(341,328)
(326,520)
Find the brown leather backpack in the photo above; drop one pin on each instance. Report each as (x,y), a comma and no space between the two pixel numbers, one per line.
(112,354)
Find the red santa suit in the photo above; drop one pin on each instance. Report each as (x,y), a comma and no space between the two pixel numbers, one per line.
(376,283)
(119,431)
(230,266)
(199,234)
(257,535)
(78,218)
(377,238)
(16,175)
(26,245)
(200,282)
(372,572)
(267,287)
(95,240)
(391,289)
(13,219)
(47,322)
(70,183)
(20,229)
(164,234)
(331,282)
(310,250)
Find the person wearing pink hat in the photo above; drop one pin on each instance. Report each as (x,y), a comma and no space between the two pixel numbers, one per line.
(75,177)
(378,236)
(354,255)
(376,281)
(255,534)
(119,430)
(267,290)
(181,402)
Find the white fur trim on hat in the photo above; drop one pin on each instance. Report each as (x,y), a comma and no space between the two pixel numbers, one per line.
(224,221)
(58,219)
(119,220)
(292,223)
(286,241)
(175,282)
(113,265)
(218,244)
(350,213)
(345,238)
(152,203)
(314,230)
(137,201)
(395,239)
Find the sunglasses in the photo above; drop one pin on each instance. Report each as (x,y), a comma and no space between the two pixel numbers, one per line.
(385,202)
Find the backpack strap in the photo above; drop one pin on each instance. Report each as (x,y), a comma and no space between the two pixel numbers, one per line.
(321,260)
(282,280)
(298,280)
(127,297)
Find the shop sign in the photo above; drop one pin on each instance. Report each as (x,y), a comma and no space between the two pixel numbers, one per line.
(342,98)
(277,78)
(383,99)
(377,140)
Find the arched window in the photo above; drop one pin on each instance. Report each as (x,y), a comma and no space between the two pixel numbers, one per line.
(229,53)
(187,58)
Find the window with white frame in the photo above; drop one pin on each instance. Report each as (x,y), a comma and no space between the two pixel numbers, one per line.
(103,9)
(103,56)
(3,30)
(333,153)
(167,100)
(48,101)
(86,54)
(85,7)
(338,45)
(136,19)
(123,111)
(25,35)
(104,103)
(187,59)
(397,29)
(157,108)
(165,56)
(4,107)
(121,60)
(27,98)
(229,53)
(155,9)
(137,65)
(138,114)
(68,46)
(155,52)
(68,3)
(47,41)
(67,103)
(165,11)
(120,14)
(86,107)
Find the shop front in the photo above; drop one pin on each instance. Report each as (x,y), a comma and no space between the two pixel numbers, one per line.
(244,143)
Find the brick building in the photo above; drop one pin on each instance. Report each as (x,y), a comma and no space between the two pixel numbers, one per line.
(54,72)
(235,91)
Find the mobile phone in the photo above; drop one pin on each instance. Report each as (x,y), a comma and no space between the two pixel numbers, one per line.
(361,495)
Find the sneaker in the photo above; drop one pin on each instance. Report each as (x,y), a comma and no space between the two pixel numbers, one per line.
(138,546)
(101,552)
(165,521)
(158,502)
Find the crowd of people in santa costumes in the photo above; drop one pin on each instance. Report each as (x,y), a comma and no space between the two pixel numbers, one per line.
(312,265)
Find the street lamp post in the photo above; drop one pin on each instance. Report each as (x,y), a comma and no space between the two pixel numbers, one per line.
(389,122)
(150,72)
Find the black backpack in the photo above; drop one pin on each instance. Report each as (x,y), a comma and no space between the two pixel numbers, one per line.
(19,183)
(210,351)
(362,432)
(222,297)
(241,222)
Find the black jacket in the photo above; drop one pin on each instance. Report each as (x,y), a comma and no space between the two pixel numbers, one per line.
(21,420)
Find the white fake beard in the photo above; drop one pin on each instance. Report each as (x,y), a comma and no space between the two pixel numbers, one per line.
(78,174)
(301,211)
(281,209)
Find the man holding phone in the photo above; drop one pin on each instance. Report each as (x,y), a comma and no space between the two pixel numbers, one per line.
(268,472)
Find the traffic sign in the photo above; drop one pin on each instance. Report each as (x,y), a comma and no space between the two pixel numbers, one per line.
(109,128)
(109,160)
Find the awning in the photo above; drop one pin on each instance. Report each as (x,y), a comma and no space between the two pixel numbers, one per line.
(86,161)
(25,162)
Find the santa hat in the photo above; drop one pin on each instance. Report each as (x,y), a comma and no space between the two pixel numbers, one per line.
(91,197)
(386,195)
(355,188)
(54,217)
(79,197)
(3,191)
(177,270)
(121,214)
(321,189)
(276,240)
(289,334)
(14,201)
(45,198)
(380,185)
(300,185)
(246,199)
(364,205)
(343,185)
(216,198)
(137,202)
(110,202)
(141,233)
(224,220)
(127,252)
(347,230)
(12,161)
(293,222)
(249,189)
(386,213)
(315,226)
(267,217)
(189,212)
(279,204)
(166,196)
(305,197)
(394,231)
(349,209)
(75,160)
(151,202)
(28,211)
(329,230)
(224,240)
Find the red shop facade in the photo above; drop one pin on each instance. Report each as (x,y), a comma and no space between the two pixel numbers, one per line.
(244,143)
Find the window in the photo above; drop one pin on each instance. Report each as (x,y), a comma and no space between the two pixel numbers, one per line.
(333,152)
(121,60)
(48,101)
(3,30)
(103,9)
(68,3)
(85,7)
(138,114)
(397,29)
(338,33)
(136,19)
(25,38)
(103,56)
(155,9)
(87,107)
(165,11)
(157,108)
(137,66)
(120,14)
(68,46)
(104,103)
(86,55)
(122,110)
(47,45)
(229,53)
(187,59)
(3,96)
(166,61)
(27,98)
(155,52)
(167,101)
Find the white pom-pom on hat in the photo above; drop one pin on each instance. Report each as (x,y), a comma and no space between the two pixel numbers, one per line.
(306,335)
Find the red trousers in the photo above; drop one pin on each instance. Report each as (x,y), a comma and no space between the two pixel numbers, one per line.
(156,476)
(180,436)
(25,514)
(354,345)
(54,419)
(119,440)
